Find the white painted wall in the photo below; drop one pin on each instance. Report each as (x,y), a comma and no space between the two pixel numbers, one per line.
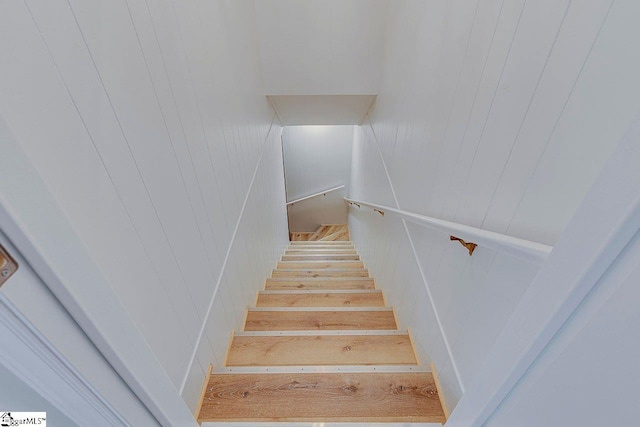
(317,158)
(575,327)
(309,214)
(147,121)
(493,114)
(589,374)
(259,240)
(325,47)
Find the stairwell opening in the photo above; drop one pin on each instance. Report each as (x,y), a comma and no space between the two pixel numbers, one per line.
(317,169)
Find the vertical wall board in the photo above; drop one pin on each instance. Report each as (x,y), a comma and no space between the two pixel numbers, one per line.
(492,114)
(243,275)
(151,121)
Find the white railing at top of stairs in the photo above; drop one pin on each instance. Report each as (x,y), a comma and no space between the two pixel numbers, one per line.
(533,252)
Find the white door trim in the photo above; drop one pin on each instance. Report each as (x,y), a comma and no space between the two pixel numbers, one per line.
(31,357)
(606,221)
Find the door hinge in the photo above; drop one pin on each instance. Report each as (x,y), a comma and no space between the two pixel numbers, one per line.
(8,265)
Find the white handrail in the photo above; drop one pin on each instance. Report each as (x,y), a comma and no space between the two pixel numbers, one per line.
(315,195)
(533,252)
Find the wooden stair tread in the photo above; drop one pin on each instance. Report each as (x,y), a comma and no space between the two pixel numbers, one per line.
(340,397)
(321,257)
(320,273)
(320,346)
(319,251)
(321,243)
(325,283)
(333,232)
(328,299)
(318,233)
(335,236)
(317,246)
(320,248)
(338,244)
(316,264)
(321,350)
(319,320)
(322,279)
(300,235)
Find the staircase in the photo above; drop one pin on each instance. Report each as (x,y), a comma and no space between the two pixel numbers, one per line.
(324,233)
(321,345)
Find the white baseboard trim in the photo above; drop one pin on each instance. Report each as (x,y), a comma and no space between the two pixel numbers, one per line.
(226,258)
(452,359)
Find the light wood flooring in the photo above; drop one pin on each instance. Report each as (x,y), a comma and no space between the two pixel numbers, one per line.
(321,345)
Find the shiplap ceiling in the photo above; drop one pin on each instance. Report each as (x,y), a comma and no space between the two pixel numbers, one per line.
(332,48)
